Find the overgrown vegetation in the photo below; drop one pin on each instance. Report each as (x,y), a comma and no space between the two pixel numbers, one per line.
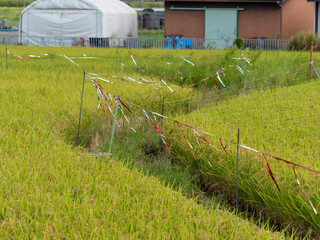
(154,33)
(302,41)
(14,3)
(12,14)
(238,42)
(146,4)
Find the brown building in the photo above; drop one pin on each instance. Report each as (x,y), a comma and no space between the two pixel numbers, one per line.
(229,19)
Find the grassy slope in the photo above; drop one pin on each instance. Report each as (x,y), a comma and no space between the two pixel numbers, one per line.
(12,14)
(286,121)
(51,190)
(14,3)
(146,4)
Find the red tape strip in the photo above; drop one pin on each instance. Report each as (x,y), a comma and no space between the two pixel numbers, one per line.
(291,163)
(124,105)
(198,140)
(214,84)
(204,81)
(224,148)
(186,139)
(270,172)
(158,130)
(147,124)
(165,144)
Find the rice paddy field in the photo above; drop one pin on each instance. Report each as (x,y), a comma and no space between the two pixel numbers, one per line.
(278,123)
(52,188)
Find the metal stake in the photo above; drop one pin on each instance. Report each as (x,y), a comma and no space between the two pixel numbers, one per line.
(162,112)
(238,150)
(161,121)
(117,57)
(310,69)
(242,66)
(84,76)
(114,124)
(6,54)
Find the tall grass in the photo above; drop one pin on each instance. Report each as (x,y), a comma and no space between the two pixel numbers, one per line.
(303,40)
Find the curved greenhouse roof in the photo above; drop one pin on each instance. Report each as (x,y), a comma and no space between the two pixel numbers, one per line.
(78,18)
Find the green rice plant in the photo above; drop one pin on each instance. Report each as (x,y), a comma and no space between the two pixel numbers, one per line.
(64,79)
(52,189)
(268,70)
(279,122)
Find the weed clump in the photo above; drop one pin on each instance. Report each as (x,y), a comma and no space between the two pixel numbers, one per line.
(303,40)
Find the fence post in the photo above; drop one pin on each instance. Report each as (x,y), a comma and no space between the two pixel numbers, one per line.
(242,66)
(310,69)
(162,112)
(238,88)
(84,76)
(114,124)
(6,54)
(238,150)
(117,55)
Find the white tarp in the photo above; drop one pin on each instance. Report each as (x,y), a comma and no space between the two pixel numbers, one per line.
(77,19)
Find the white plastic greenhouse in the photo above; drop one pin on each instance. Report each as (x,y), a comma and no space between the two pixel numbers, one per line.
(95,19)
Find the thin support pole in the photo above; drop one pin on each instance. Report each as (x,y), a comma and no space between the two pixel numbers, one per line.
(238,88)
(6,54)
(242,66)
(162,112)
(114,124)
(310,69)
(238,150)
(117,56)
(141,35)
(84,77)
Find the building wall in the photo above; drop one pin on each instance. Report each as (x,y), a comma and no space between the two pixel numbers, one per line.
(188,24)
(257,20)
(297,16)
